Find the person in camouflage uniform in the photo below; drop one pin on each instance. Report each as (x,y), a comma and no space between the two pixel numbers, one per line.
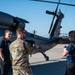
(20,51)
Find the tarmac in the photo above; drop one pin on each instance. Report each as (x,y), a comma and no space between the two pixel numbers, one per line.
(55,66)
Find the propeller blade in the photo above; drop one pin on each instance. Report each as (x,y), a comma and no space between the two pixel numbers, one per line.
(55,2)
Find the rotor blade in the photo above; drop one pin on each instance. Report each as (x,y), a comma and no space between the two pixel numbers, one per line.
(55,2)
(51,24)
(54,17)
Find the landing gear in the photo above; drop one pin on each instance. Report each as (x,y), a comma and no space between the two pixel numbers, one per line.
(45,56)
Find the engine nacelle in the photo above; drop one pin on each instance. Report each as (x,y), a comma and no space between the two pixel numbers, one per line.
(9,21)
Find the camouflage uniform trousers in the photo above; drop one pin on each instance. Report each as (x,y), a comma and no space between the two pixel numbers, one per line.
(20,72)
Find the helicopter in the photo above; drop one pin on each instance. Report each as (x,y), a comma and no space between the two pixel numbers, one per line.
(8,21)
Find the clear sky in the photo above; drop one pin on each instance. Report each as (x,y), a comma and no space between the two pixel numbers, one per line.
(34,12)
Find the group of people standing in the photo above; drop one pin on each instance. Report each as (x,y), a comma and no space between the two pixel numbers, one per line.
(15,55)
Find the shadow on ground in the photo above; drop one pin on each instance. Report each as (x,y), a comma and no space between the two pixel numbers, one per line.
(55,68)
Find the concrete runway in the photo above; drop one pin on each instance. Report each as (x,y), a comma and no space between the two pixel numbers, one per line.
(55,66)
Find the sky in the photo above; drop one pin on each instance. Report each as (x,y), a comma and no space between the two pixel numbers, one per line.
(34,12)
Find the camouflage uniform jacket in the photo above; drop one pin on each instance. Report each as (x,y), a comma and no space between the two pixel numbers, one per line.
(20,51)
